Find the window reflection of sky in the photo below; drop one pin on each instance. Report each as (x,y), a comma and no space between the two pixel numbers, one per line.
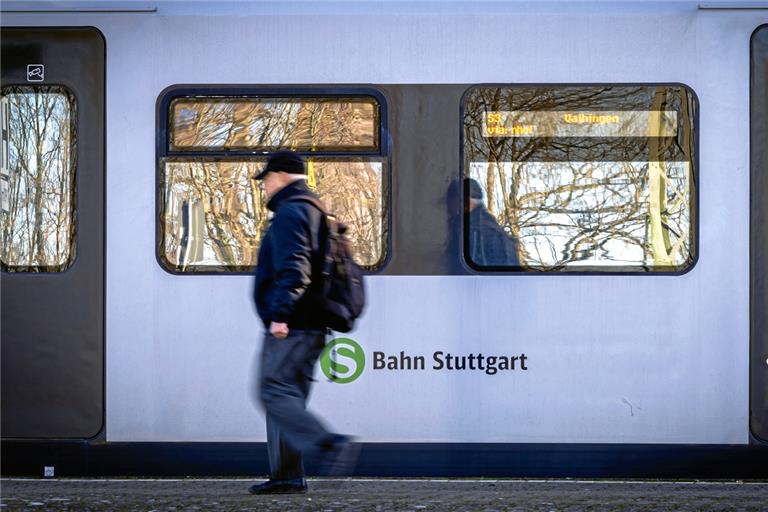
(588,213)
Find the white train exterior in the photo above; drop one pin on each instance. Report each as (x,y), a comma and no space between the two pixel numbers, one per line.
(610,361)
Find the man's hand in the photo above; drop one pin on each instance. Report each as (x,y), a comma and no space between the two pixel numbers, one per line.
(278,330)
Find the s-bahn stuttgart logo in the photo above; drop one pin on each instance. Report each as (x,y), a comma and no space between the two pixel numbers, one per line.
(342,360)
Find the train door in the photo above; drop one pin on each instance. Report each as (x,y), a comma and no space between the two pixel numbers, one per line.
(758,386)
(52,219)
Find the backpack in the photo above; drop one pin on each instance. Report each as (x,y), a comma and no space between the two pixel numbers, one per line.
(342,294)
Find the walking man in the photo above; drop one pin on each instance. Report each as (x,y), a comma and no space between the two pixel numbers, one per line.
(288,275)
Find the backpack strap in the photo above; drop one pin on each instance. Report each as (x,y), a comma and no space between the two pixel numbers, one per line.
(327,257)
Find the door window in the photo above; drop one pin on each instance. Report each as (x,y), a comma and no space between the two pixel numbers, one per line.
(37,179)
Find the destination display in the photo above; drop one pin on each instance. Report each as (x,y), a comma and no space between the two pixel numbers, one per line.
(561,123)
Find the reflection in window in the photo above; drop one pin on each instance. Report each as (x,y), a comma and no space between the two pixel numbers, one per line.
(273,123)
(605,183)
(213,214)
(38,177)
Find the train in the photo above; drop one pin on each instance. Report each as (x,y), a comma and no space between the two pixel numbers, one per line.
(559,208)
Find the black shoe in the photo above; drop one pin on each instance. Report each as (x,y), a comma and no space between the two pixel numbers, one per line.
(292,486)
(339,456)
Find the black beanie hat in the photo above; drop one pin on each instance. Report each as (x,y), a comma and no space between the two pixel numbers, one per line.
(283,161)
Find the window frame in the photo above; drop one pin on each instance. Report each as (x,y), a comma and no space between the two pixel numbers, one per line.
(475,269)
(163,151)
(73,103)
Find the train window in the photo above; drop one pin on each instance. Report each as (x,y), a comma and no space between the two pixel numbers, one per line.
(596,178)
(212,215)
(37,179)
(314,124)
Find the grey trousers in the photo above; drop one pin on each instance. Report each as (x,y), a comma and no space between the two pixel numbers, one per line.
(285,378)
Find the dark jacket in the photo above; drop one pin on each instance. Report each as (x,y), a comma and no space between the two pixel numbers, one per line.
(289,261)
(489,244)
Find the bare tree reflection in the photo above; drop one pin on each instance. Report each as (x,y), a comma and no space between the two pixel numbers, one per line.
(267,124)
(588,203)
(353,189)
(214,215)
(38,228)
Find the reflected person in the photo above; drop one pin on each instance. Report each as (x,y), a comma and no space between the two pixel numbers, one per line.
(489,244)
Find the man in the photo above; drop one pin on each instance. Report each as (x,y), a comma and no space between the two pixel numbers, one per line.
(287,276)
(489,244)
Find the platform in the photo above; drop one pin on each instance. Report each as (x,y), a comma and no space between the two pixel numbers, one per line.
(368,494)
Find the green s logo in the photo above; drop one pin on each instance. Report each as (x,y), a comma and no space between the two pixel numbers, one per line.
(342,360)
